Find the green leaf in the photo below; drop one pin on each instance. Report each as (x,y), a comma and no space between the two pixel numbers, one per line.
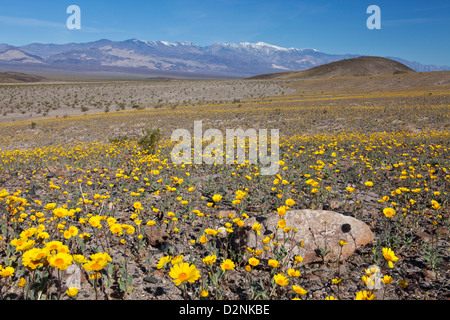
(122,285)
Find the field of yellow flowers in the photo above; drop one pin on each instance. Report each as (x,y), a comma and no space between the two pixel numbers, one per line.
(91,210)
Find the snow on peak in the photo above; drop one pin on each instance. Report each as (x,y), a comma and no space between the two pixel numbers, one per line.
(262,47)
(164,43)
(267,45)
(258,46)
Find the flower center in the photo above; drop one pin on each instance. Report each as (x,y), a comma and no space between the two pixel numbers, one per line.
(96,266)
(183,276)
(59,262)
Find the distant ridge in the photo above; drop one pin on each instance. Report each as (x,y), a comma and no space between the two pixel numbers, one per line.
(18,77)
(143,58)
(360,66)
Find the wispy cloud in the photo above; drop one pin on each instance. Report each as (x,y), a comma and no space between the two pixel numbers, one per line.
(402,22)
(37,23)
(432,7)
(30,22)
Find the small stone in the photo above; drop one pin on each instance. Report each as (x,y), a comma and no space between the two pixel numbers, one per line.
(423,235)
(335,204)
(225,213)
(51,175)
(442,231)
(156,236)
(151,279)
(429,275)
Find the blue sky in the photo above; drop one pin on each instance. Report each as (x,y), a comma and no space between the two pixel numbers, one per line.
(414,30)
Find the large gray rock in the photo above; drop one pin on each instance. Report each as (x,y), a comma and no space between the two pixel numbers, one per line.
(74,277)
(316,229)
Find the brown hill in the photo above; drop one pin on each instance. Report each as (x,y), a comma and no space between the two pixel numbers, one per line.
(361,66)
(17,77)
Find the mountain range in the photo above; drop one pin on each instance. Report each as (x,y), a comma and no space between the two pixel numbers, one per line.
(172,59)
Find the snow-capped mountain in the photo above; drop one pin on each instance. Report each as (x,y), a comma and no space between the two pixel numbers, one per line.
(173,58)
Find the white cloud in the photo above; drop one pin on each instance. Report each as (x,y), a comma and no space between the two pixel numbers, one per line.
(400,22)
(30,22)
(37,23)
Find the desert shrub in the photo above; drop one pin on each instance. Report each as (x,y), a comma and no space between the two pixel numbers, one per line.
(120,139)
(150,139)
